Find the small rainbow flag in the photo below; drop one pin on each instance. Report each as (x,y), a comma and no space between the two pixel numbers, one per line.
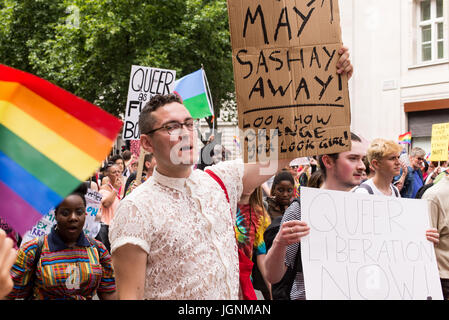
(50,142)
(236,141)
(405,138)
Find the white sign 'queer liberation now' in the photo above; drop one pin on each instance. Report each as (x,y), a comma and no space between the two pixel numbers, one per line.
(367,247)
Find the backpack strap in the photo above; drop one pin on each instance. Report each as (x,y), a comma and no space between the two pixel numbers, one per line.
(37,257)
(245,264)
(92,241)
(366,187)
(217,178)
(370,190)
(396,192)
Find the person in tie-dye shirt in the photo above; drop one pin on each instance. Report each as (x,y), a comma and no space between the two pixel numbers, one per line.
(251,222)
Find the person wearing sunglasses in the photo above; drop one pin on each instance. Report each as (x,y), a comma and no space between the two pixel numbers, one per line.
(414,178)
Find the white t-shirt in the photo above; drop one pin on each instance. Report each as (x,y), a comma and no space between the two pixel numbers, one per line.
(376,191)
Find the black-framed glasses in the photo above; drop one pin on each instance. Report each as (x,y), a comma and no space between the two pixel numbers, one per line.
(175,128)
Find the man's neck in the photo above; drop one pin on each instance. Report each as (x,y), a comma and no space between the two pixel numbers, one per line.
(335,185)
(382,182)
(175,171)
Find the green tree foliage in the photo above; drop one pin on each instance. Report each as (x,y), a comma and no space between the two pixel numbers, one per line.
(88,46)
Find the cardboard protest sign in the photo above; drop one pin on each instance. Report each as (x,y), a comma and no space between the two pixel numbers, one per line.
(439,142)
(284,57)
(367,247)
(144,83)
(91,225)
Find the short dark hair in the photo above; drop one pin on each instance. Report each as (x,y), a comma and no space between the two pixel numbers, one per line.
(334,156)
(115,158)
(146,122)
(148,158)
(367,166)
(126,155)
(81,191)
(316,179)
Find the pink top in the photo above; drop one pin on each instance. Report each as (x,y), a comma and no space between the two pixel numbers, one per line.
(108,213)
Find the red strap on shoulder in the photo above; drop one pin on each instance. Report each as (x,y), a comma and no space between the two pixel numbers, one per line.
(217,178)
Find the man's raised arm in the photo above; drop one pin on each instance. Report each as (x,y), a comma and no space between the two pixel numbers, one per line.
(257,173)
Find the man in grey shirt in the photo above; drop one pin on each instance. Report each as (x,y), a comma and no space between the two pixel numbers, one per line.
(342,171)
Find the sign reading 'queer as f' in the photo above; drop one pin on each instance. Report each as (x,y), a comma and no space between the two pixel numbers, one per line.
(144,83)
(285,55)
(364,246)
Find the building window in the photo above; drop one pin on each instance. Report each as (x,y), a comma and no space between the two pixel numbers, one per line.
(431,33)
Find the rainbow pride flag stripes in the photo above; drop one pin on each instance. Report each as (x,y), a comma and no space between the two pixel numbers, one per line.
(50,142)
(405,138)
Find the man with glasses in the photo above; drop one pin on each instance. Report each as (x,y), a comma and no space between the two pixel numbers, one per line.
(173,236)
(414,179)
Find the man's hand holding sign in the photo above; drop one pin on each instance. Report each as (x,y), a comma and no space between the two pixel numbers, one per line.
(290,72)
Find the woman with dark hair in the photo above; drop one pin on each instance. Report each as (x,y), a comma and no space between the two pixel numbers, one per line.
(316,179)
(282,191)
(281,194)
(65,264)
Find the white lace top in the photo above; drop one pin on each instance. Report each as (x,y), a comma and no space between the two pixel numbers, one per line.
(185,226)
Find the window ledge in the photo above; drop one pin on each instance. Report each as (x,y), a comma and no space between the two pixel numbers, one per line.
(429,63)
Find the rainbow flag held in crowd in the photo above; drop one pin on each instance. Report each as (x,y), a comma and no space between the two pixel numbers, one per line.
(192,88)
(236,141)
(405,138)
(50,142)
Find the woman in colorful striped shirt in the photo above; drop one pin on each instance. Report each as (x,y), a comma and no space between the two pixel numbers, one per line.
(70,265)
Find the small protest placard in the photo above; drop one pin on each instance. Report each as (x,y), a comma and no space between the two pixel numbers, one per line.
(43,227)
(93,204)
(144,83)
(290,99)
(439,142)
(367,247)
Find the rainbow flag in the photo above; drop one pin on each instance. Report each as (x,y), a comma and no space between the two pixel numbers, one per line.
(192,89)
(405,138)
(236,141)
(50,142)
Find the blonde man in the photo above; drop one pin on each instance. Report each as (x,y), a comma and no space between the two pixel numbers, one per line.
(383,156)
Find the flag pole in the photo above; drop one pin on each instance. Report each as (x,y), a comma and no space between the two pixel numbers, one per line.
(210,98)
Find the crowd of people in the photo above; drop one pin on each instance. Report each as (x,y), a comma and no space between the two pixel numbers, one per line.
(178,231)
